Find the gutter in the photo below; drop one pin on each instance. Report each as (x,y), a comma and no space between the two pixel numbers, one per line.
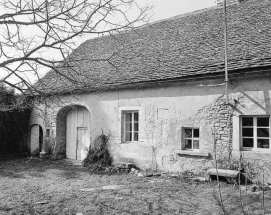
(251,72)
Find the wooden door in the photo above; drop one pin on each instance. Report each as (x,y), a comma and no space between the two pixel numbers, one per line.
(82,140)
(77,133)
(35,142)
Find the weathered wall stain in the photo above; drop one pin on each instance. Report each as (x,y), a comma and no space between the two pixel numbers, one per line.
(163,113)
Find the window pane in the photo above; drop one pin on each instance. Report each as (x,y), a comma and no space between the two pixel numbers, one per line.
(188,144)
(248,142)
(188,132)
(195,144)
(128,126)
(47,132)
(263,121)
(128,136)
(196,132)
(136,136)
(136,126)
(136,117)
(247,132)
(262,132)
(128,117)
(247,121)
(263,143)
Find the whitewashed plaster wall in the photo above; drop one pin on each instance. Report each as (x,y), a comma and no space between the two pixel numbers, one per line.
(164,111)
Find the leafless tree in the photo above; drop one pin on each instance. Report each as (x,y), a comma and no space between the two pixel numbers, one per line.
(38,34)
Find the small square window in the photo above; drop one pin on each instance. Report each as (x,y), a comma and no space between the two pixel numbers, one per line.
(130,126)
(191,138)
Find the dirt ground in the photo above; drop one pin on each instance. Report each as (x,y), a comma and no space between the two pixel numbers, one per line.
(33,186)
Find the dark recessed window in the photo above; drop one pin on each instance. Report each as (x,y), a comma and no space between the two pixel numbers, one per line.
(255,132)
(48,132)
(191,138)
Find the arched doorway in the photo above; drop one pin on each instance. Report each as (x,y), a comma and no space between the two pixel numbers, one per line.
(36,139)
(73,132)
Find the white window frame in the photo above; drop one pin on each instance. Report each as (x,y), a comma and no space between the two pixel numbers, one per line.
(192,138)
(124,112)
(255,147)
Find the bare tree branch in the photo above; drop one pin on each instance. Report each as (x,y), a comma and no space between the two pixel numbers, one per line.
(38,34)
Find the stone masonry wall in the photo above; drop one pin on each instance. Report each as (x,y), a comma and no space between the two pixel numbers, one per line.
(215,123)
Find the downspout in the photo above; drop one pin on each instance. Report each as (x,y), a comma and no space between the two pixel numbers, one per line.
(226,51)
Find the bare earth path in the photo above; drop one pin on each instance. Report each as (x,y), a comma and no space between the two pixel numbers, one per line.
(33,186)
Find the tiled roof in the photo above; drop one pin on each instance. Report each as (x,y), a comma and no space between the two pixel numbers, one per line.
(189,45)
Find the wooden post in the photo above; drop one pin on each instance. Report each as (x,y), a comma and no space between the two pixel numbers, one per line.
(226,50)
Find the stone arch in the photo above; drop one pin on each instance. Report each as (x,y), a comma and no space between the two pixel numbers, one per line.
(61,128)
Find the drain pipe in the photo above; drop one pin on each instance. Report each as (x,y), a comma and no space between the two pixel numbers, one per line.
(226,51)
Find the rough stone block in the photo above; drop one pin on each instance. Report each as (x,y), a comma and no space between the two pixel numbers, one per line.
(223,172)
(223,111)
(217,136)
(124,165)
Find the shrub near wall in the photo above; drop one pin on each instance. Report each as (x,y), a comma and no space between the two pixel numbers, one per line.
(13,131)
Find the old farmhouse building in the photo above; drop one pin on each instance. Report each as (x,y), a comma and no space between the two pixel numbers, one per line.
(159,92)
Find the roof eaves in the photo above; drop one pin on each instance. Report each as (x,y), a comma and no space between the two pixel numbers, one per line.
(251,72)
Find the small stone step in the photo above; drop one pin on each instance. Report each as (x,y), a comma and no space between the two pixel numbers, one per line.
(230,176)
(73,162)
(124,165)
(223,172)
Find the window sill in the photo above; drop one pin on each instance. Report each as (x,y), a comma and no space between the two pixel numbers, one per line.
(256,150)
(254,154)
(192,153)
(129,142)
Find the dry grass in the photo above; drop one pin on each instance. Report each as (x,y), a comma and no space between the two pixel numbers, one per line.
(52,187)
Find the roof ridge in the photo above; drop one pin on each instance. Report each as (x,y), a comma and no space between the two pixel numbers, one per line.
(191,13)
(154,22)
(149,24)
(195,12)
(183,15)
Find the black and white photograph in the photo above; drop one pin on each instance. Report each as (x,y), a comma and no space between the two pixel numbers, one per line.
(135,107)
